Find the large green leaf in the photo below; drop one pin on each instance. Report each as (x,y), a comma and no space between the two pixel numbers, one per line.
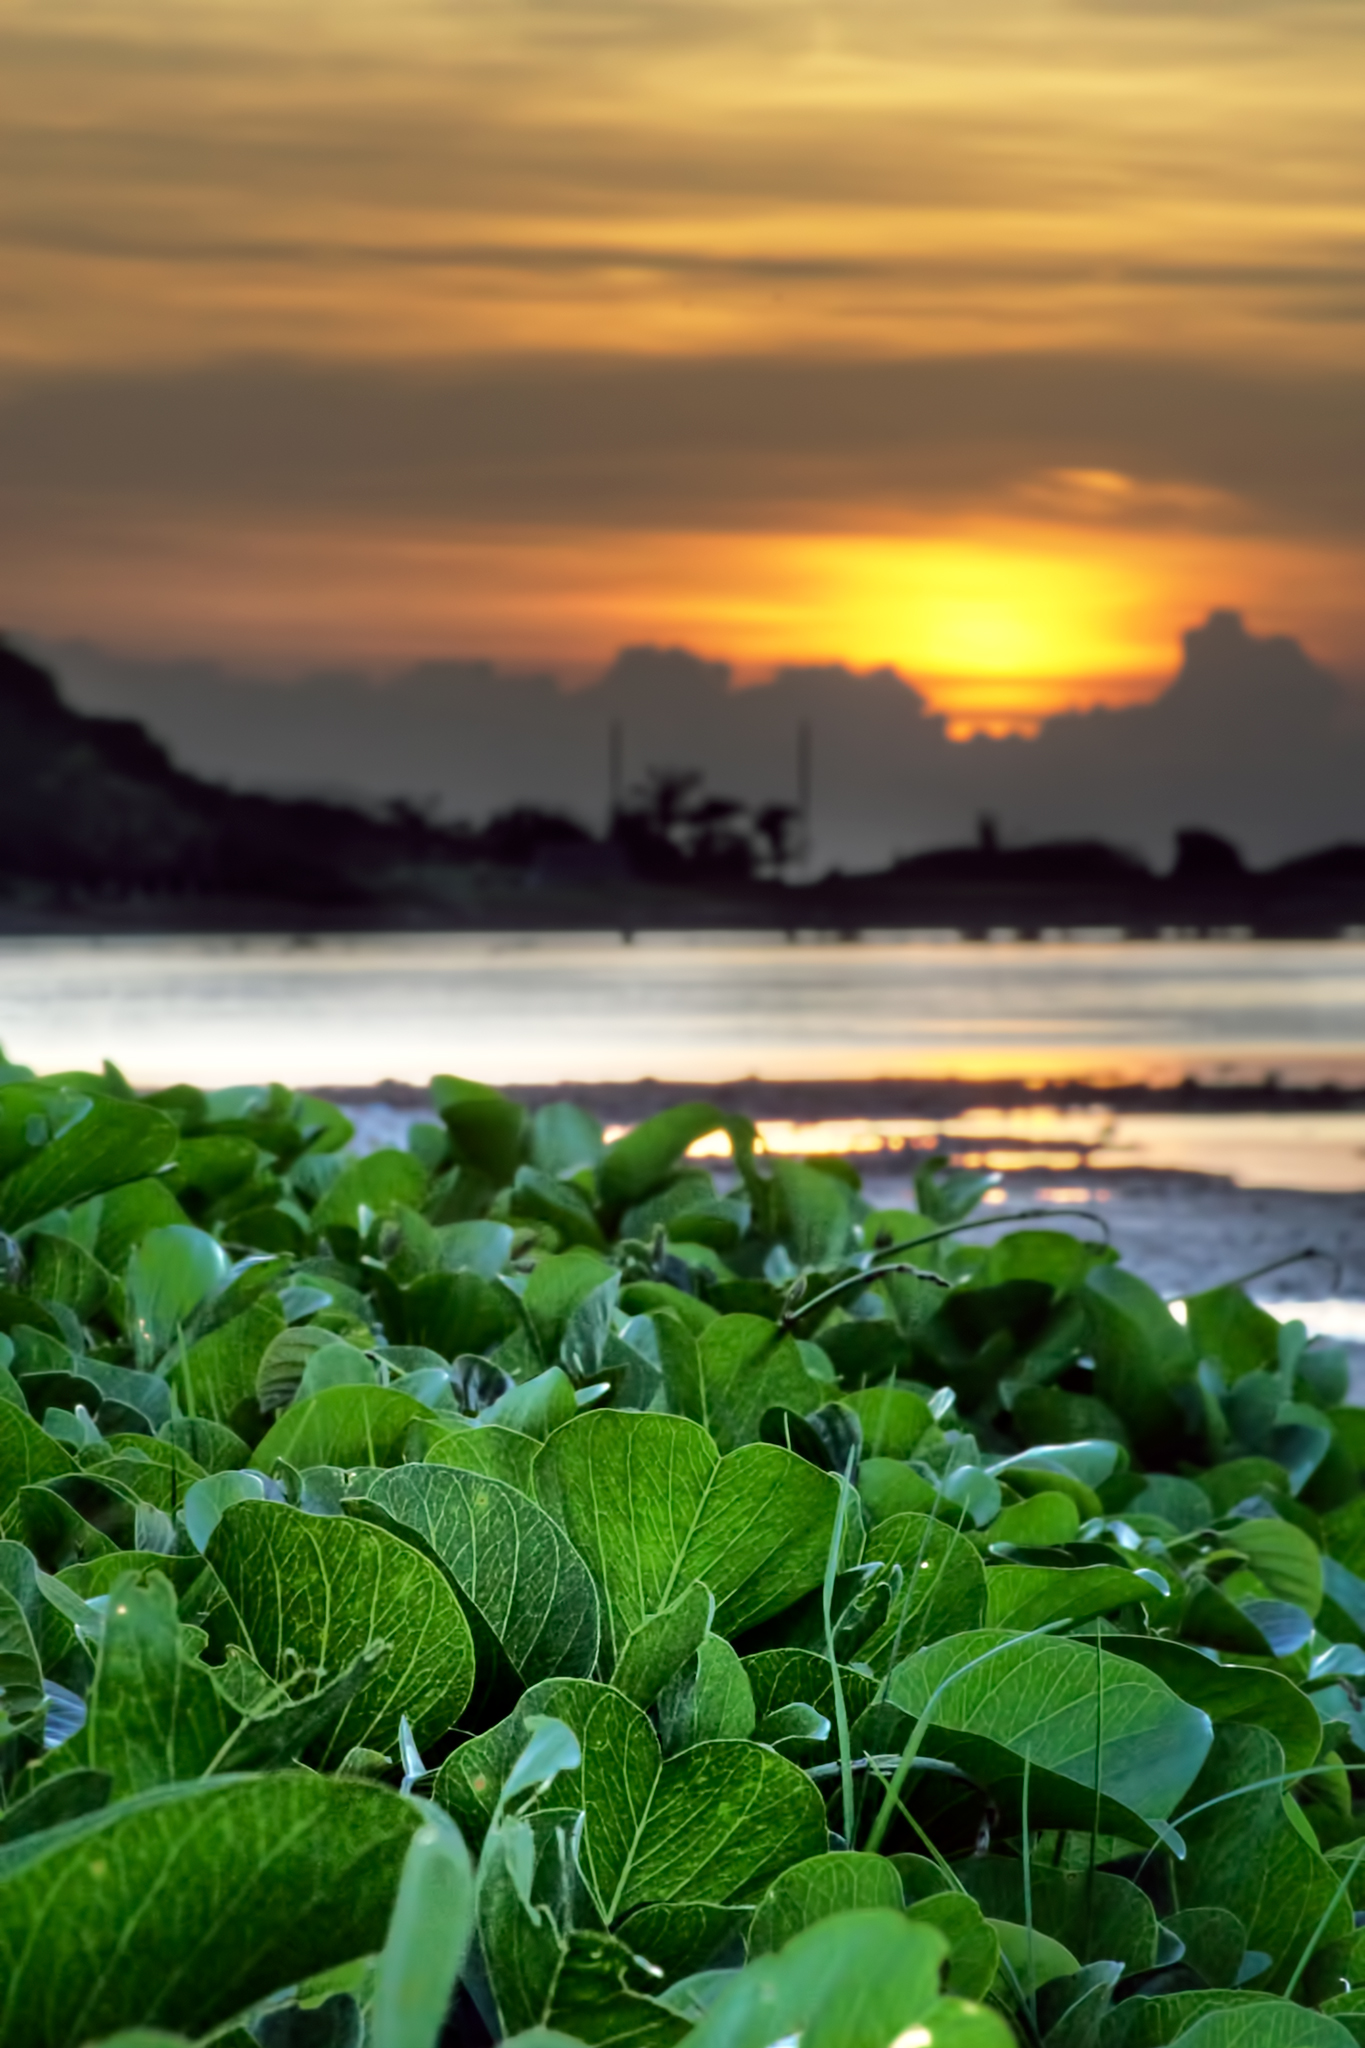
(317,1591)
(638,1163)
(650,1505)
(1026,1596)
(1231,1692)
(1247,1856)
(511,1560)
(155,1714)
(487,1131)
(1141,1353)
(1095,1914)
(943,1586)
(170,1273)
(433,1921)
(378,1183)
(858,1980)
(216,1377)
(100,1141)
(27,1454)
(744,1366)
(893,1419)
(709,1699)
(715,1823)
(342,1425)
(812,1213)
(506,1454)
(1220,2019)
(1280,2025)
(664,1644)
(813,1890)
(1076,1717)
(183,1906)
(545,1979)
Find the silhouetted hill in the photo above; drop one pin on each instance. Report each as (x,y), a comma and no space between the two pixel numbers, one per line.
(95,806)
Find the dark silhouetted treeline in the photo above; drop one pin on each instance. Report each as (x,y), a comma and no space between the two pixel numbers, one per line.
(100,830)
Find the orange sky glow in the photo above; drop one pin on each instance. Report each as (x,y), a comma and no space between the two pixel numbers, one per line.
(997,343)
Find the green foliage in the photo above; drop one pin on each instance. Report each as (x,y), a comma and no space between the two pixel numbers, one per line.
(776,1647)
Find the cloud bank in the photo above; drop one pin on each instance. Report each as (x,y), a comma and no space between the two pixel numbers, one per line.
(1252,738)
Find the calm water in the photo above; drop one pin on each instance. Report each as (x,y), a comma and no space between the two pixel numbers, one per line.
(547,1009)
(347,1012)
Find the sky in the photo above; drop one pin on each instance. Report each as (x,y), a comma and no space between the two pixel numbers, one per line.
(998,343)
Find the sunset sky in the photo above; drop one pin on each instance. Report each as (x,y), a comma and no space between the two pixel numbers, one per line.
(996,341)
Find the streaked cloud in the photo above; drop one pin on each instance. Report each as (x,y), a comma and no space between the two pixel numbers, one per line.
(429,285)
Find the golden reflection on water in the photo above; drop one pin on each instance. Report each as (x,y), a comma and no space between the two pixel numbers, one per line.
(1323,1150)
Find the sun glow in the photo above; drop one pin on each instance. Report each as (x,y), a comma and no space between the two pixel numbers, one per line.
(1003,627)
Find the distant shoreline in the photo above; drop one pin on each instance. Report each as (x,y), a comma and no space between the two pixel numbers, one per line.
(903,1096)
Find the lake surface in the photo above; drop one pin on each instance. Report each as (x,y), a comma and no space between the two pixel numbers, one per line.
(347,1011)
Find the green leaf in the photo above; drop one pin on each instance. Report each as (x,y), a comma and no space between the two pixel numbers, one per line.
(812,1214)
(1141,1353)
(1150,2022)
(487,1131)
(817,1888)
(184,1906)
(858,1980)
(1225,1324)
(504,1454)
(709,1699)
(216,1377)
(536,1407)
(893,1419)
(1214,1940)
(542,1979)
(641,1161)
(27,1454)
(565,1138)
(100,1142)
(1034,1958)
(650,1505)
(1231,1692)
(60,1270)
(21,1672)
(661,1645)
(973,1944)
(169,1274)
(316,1591)
(1246,1856)
(155,1714)
(1096,1915)
(1221,2019)
(745,1365)
(1268,2026)
(715,1823)
(1048,1520)
(341,1426)
(429,1933)
(944,1585)
(380,1183)
(120,1219)
(1037,1699)
(541,1198)
(1285,1559)
(1026,1596)
(508,1558)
